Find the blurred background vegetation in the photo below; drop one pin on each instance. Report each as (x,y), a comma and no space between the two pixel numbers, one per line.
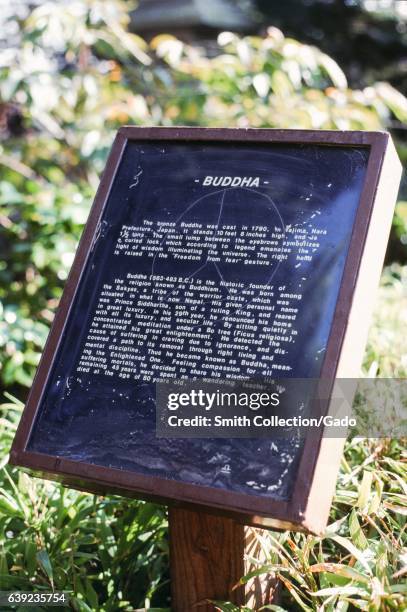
(71,73)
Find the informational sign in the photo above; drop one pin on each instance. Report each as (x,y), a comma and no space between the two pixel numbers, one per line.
(211,255)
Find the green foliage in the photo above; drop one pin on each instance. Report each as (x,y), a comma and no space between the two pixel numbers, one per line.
(360,561)
(107,552)
(386,354)
(267,82)
(72,75)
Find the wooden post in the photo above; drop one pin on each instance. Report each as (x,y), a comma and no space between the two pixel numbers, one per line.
(207,559)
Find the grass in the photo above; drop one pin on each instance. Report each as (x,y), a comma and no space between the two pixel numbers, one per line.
(112,553)
(360,562)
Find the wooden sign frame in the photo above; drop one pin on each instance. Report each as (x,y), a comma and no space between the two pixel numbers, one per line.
(315,480)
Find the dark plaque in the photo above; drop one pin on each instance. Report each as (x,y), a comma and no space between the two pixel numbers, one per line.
(220,254)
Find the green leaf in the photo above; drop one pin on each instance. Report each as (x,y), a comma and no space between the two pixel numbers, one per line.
(30,556)
(398,588)
(91,595)
(3,569)
(45,563)
(356,533)
(376,498)
(394,100)
(345,590)
(358,554)
(80,605)
(334,72)
(281,84)
(364,490)
(297,594)
(342,570)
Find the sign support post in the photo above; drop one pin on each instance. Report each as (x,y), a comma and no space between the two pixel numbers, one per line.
(208,556)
